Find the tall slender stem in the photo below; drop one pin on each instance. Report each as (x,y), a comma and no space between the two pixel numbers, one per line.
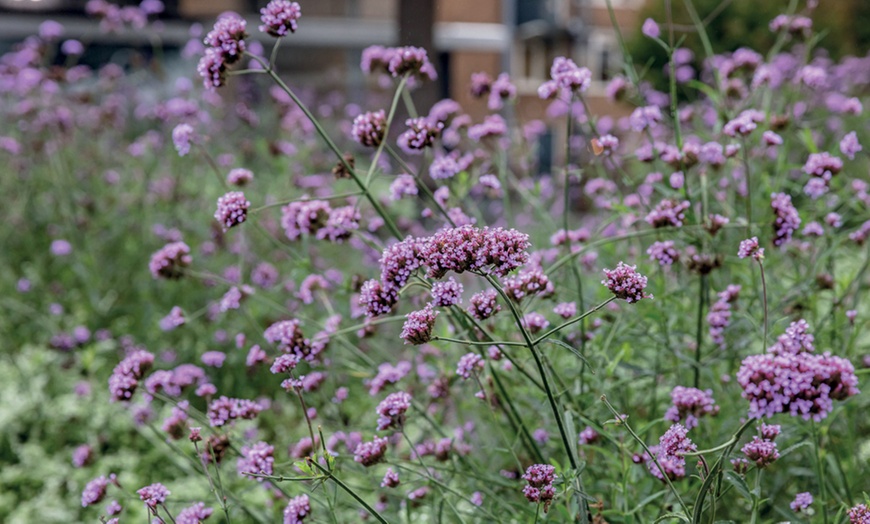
(350,491)
(764,299)
(823,493)
(699,329)
(554,406)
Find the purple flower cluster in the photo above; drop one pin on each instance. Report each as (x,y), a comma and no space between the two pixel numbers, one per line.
(789,378)
(368,129)
(168,261)
(760,450)
(859,514)
(689,404)
(565,310)
(422,132)
(257,459)
(468,248)
(297,510)
(484,304)
(539,488)
(667,213)
(391,479)
(153,495)
(528,283)
(280,16)
(418,326)
(446,293)
(377,299)
(719,316)
(392,410)
(643,118)
(194,514)
(239,177)
(626,283)
(223,410)
(500,90)
(288,337)
(232,209)
(821,167)
(669,453)
(469,364)
(744,123)
(750,248)
(226,46)
(802,501)
(849,145)
(388,374)
(370,453)
(567,78)
(318,218)
(493,126)
(183,136)
(663,252)
(403,185)
(787,219)
(127,374)
(95,490)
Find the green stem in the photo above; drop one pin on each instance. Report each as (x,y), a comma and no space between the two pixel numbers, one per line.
(648,452)
(756,496)
(699,331)
(820,468)
(764,299)
(351,492)
(480,342)
(573,321)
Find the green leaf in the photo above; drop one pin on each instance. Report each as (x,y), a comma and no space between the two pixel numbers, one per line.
(675,516)
(739,483)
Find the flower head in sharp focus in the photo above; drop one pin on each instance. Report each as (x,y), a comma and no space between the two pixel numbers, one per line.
(539,488)
(418,327)
(232,209)
(368,128)
(626,283)
(391,411)
(279,17)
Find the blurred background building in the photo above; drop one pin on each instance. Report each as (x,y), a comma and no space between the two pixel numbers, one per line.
(462,37)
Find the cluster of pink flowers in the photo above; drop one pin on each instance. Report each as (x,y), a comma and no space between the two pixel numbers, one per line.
(368,128)
(391,410)
(370,453)
(719,316)
(689,404)
(669,453)
(226,45)
(750,248)
(787,219)
(126,376)
(418,326)
(790,378)
(567,78)
(762,449)
(317,218)
(258,459)
(279,17)
(484,304)
(663,252)
(223,410)
(232,209)
(539,488)
(153,495)
(626,283)
(398,61)
(668,213)
(169,261)
(297,510)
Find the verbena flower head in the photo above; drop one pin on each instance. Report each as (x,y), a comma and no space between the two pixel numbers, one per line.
(279,17)
(761,451)
(689,404)
(535,322)
(370,453)
(223,410)
(667,213)
(791,379)
(368,128)
(744,123)
(663,252)
(469,364)
(391,479)
(304,218)
(239,177)
(95,490)
(500,90)
(446,293)
(626,283)
(297,510)
(539,488)
(392,410)
(403,185)
(376,299)
(643,118)
(287,336)
(787,219)
(232,209)
(194,514)
(484,304)
(421,133)
(411,60)
(849,145)
(801,501)
(169,261)
(227,37)
(258,459)
(183,136)
(418,326)
(859,514)
(153,495)
(528,283)
(650,28)
(750,248)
